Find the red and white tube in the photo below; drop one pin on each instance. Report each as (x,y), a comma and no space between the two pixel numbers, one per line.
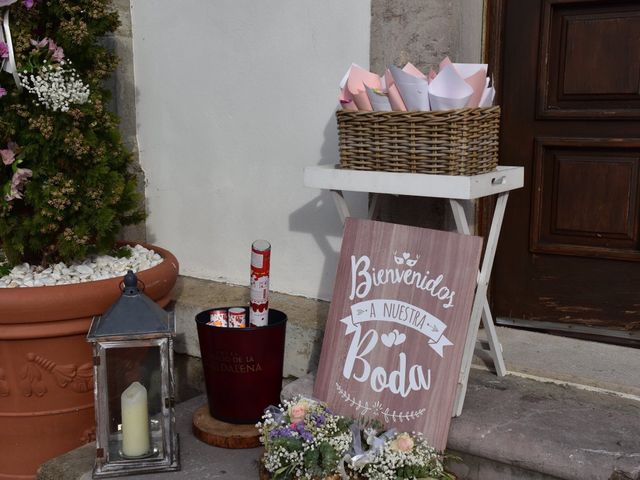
(259,297)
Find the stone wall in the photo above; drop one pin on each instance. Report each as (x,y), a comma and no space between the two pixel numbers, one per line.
(423,32)
(123,102)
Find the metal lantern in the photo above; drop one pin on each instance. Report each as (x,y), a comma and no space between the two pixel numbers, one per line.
(134,386)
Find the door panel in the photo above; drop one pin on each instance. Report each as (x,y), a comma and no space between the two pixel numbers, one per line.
(585,51)
(570,96)
(587,198)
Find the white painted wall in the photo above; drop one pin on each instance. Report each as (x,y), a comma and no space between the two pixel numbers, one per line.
(234,98)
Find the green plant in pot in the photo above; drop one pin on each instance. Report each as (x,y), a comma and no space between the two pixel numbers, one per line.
(66,185)
(66,191)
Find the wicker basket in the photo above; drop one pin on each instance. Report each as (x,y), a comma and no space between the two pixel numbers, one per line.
(451,142)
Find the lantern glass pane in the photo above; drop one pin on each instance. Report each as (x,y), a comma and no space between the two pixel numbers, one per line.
(134,395)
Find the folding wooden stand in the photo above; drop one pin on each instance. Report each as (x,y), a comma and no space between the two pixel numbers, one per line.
(456,189)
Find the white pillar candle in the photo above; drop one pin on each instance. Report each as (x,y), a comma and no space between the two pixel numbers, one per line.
(135,420)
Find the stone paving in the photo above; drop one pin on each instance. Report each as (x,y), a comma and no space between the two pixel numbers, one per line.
(198,460)
(511,428)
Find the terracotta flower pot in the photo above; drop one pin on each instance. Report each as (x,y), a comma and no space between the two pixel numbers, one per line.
(46,369)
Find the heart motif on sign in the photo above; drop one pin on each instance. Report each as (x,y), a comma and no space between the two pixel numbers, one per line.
(405,258)
(393,338)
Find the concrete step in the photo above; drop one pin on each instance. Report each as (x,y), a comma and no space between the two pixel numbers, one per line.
(511,428)
(514,428)
(570,408)
(599,379)
(610,368)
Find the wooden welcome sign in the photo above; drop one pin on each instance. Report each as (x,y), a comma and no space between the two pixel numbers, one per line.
(397,326)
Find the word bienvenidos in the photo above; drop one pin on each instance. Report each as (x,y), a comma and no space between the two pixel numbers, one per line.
(364,276)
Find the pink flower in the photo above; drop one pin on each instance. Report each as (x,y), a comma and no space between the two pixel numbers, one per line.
(57,53)
(4,50)
(39,44)
(298,411)
(8,156)
(21,176)
(28,4)
(3,92)
(402,443)
(17,182)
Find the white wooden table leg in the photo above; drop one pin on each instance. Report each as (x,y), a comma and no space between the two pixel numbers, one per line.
(481,293)
(462,225)
(341,204)
(495,347)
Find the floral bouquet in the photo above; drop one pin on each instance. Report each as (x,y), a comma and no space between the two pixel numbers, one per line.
(304,440)
(393,455)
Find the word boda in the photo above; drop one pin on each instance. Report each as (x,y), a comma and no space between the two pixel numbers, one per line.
(364,276)
(399,382)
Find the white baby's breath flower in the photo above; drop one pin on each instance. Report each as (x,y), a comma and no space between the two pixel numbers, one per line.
(56,87)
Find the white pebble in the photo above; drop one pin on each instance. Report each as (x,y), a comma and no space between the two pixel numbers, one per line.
(96,268)
(84,270)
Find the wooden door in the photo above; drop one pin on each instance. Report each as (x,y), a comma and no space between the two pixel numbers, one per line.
(569,81)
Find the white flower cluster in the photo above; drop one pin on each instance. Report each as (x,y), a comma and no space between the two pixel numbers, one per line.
(280,458)
(418,461)
(56,86)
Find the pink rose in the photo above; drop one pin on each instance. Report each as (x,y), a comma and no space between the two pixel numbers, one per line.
(298,411)
(402,443)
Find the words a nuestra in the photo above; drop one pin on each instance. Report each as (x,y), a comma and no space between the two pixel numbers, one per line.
(364,277)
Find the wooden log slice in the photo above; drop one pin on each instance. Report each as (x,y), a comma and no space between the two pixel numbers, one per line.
(221,434)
